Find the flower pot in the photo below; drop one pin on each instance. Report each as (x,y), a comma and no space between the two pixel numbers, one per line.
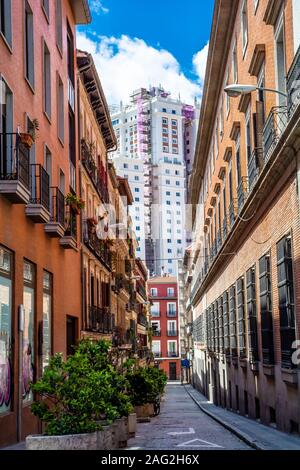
(132,424)
(121,433)
(68,442)
(105,438)
(144,411)
(26,139)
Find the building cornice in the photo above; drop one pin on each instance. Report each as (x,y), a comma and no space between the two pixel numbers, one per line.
(220,41)
(91,82)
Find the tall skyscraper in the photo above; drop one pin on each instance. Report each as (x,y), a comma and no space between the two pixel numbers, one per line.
(156,140)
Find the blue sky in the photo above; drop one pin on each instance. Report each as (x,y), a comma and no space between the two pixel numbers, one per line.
(149,43)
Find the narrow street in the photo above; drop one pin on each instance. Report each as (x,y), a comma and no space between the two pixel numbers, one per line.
(181,425)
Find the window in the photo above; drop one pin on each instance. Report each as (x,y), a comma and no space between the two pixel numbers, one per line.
(47,319)
(156,348)
(29,45)
(172,328)
(136,167)
(235,64)
(261,92)
(136,190)
(240,287)
(178,194)
(164,121)
(177,183)
(232,321)
(226,323)
(153,292)
(47,80)
(171,309)
(266,309)
(170,291)
(5,20)
(172,348)
(125,165)
(28,333)
(155,309)
(164,110)
(168,193)
(252,317)
(286,300)
(245,26)
(45,5)
(173,111)
(48,164)
(137,199)
(60,109)
(136,178)
(6,359)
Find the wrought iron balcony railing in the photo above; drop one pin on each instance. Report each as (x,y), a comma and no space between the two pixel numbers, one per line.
(100,320)
(242,192)
(232,214)
(39,186)
(253,167)
(142,320)
(94,172)
(98,246)
(156,333)
(274,127)
(57,206)
(293,85)
(225,228)
(14,159)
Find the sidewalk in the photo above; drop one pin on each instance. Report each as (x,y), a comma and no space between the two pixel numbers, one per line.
(257,435)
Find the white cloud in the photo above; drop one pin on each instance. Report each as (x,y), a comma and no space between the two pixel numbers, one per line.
(199,62)
(125,64)
(97,7)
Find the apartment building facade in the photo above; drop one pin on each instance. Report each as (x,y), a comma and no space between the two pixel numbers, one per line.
(96,140)
(156,137)
(163,295)
(245,190)
(39,231)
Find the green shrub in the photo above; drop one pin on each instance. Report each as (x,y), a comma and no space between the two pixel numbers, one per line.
(145,384)
(81,391)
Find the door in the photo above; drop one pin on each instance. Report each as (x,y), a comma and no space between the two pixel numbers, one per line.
(172,371)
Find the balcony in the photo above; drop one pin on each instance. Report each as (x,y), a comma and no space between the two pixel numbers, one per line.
(156,354)
(219,241)
(38,208)
(242,192)
(55,228)
(172,354)
(97,175)
(141,291)
(253,167)
(97,245)
(172,333)
(128,267)
(156,333)
(142,320)
(14,169)
(274,127)
(155,314)
(225,229)
(293,85)
(100,320)
(69,240)
(232,213)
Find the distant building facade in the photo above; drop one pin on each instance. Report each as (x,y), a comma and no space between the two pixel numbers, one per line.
(163,295)
(156,139)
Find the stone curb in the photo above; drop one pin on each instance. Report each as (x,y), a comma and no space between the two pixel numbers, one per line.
(240,434)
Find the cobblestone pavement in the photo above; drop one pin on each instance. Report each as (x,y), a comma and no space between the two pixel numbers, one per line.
(181,425)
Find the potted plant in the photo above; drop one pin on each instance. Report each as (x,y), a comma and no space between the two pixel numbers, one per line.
(76,203)
(28,138)
(79,400)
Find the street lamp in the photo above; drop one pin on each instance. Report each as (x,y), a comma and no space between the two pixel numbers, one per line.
(237,90)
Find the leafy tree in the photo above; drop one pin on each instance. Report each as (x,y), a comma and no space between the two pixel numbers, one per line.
(80,392)
(145,384)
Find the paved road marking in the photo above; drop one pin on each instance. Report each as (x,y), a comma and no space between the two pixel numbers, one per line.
(203,444)
(191,431)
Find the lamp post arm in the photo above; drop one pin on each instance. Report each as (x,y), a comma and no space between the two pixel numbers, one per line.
(273,91)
